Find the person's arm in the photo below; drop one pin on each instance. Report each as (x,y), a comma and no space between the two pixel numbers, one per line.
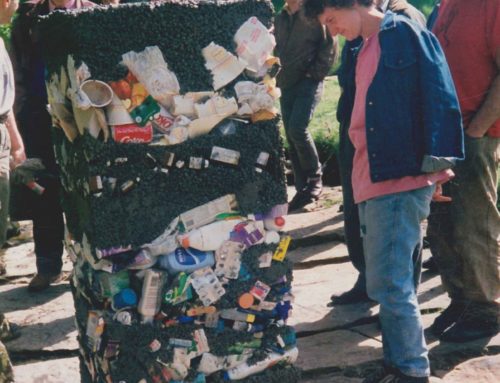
(16,142)
(328,53)
(489,112)
(441,117)
(20,55)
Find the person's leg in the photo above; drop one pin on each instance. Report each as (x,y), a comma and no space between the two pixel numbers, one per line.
(391,232)
(4,218)
(440,231)
(4,190)
(287,101)
(308,168)
(352,233)
(477,233)
(48,235)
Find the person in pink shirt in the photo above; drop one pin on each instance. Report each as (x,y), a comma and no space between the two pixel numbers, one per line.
(407,133)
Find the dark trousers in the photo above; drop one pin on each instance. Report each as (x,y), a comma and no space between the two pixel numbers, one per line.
(48,231)
(352,231)
(297,107)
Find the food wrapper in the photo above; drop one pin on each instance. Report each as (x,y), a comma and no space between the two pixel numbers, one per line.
(254,44)
(152,71)
(217,106)
(136,99)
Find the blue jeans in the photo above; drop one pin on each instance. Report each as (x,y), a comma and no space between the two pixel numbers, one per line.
(391,231)
(297,107)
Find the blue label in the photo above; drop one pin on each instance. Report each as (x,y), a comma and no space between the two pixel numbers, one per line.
(189,257)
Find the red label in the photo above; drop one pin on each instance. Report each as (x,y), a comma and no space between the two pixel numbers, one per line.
(133,134)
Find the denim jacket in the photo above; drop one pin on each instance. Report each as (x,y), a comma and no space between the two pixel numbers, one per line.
(413,121)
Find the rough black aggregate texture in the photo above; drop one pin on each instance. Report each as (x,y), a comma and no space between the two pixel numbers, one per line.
(99,36)
(181,28)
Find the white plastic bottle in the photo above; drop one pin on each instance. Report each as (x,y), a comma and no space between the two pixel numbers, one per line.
(244,370)
(276,224)
(209,237)
(152,287)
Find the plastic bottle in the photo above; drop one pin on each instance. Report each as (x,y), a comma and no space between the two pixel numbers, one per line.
(209,237)
(112,284)
(272,237)
(234,314)
(186,260)
(276,224)
(244,370)
(142,260)
(152,287)
(205,214)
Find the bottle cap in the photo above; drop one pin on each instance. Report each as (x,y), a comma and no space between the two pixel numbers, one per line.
(279,221)
(185,242)
(129,297)
(246,300)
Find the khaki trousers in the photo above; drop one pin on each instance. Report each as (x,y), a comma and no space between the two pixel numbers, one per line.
(465,233)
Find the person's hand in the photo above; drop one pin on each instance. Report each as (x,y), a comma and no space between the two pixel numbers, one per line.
(438,194)
(475,130)
(17,157)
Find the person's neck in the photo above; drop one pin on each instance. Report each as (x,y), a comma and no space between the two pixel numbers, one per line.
(371,20)
(293,5)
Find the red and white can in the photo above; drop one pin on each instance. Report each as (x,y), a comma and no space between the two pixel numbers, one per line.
(132,133)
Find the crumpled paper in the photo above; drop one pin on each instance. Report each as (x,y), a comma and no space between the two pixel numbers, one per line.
(255,44)
(184,105)
(60,106)
(225,67)
(210,114)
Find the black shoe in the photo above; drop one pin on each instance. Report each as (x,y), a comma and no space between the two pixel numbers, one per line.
(309,194)
(474,323)
(355,295)
(430,265)
(449,316)
(394,376)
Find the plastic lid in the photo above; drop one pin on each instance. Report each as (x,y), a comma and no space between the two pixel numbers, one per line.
(279,221)
(246,300)
(129,297)
(185,242)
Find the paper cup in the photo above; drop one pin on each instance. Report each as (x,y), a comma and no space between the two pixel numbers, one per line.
(99,93)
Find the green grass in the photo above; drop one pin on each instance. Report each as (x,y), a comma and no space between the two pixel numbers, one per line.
(324,126)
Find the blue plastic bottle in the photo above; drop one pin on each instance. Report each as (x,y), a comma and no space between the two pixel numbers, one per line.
(187,260)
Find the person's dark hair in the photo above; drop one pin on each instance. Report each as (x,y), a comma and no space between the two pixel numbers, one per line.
(314,8)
